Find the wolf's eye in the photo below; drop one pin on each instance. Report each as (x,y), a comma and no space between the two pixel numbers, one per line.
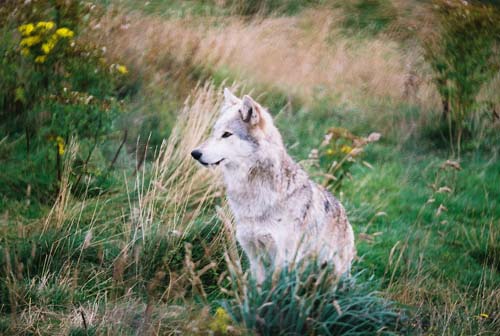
(227,134)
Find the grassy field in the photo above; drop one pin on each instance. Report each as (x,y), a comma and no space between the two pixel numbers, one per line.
(107,227)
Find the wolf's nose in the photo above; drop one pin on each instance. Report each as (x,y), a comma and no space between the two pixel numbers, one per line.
(196,154)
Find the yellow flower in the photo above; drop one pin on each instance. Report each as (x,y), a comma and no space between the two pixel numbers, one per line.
(25,52)
(346,149)
(48,25)
(60,145)
(30,41)
(484,315)
(122,69)
(53,39)
(46,48)
(26,29)
(65,33)
(49,45)
(221,321)
(41,59)
(60,148)
(330,151)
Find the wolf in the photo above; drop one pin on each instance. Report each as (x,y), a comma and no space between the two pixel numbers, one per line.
(281,215)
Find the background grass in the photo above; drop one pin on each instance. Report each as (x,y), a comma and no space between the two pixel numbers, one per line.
(137,239)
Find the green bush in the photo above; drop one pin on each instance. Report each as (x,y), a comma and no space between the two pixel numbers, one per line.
(56,86)
(67,88)
(309,299)
(463,54)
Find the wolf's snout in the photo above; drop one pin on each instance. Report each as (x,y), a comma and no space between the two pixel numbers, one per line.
(196,154)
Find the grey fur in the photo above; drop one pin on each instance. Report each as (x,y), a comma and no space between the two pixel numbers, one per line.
(281,214)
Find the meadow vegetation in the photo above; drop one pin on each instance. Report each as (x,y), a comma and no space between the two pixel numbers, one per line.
(108,227)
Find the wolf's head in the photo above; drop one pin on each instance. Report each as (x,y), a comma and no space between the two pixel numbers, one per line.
(243,134)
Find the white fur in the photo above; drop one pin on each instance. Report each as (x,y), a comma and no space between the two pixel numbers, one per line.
(281,215)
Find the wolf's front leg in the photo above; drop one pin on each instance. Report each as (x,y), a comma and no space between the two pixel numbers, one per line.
(257,267)
(258,270)
(261,252)
(267,256)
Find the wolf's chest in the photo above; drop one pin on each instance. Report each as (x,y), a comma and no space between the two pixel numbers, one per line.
(274,223)
(254,203)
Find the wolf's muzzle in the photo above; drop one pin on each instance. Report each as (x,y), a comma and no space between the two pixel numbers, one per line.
(196,154)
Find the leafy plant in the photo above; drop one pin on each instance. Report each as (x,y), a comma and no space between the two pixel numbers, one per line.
(463,54)
(57,86)
(339,151)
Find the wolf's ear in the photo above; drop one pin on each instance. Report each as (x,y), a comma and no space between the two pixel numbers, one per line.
(230,98)
(250,111)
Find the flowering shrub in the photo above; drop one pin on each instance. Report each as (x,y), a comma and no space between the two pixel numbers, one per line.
(39,40)
(77,87)
(57,85)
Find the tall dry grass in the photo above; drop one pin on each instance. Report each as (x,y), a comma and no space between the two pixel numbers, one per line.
(165,199)
(308,56)
(160,51)
(178,189)
(305,55)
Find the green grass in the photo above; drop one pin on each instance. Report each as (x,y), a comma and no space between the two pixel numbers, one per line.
(176,8)
(451,257)
(401,241)
(367,16)
(403,191)
(114,255)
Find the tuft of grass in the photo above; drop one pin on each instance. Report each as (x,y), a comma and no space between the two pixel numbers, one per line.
(309,299)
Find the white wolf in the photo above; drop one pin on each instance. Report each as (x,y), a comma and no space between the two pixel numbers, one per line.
(281,215)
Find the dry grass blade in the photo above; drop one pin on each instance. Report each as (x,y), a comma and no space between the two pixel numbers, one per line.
(179,190)
(59,212)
